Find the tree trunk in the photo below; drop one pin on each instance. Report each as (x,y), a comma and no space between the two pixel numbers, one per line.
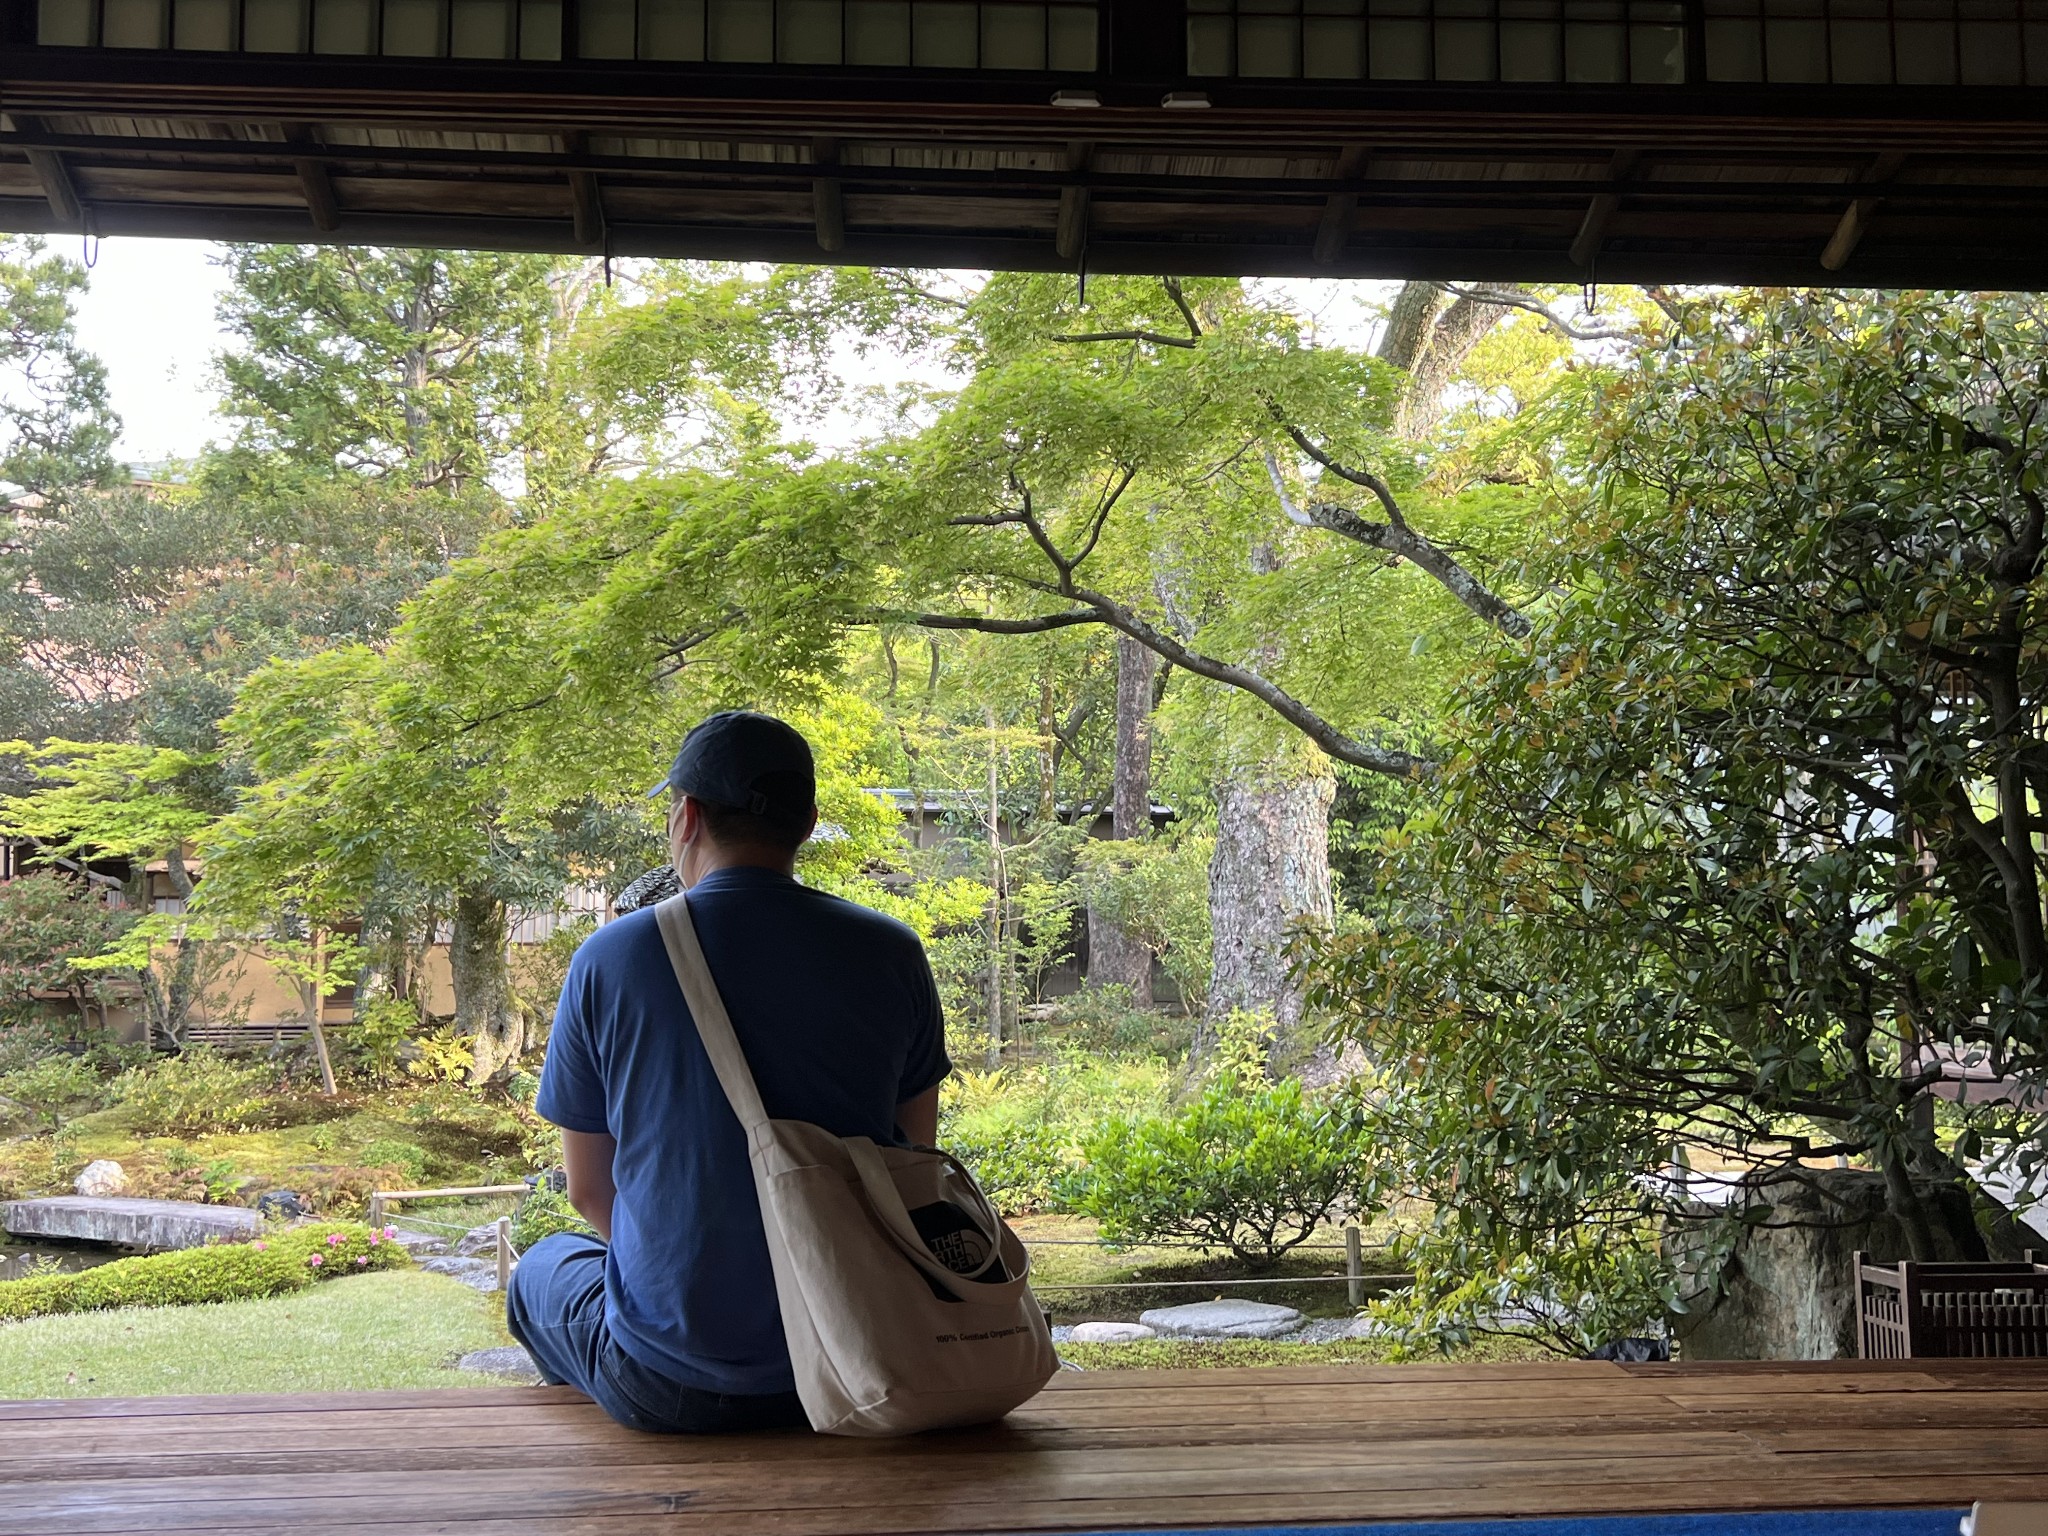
(485,1013)
(998,902)
(1270,875)
(1409,320)
(1115,959)
(180,991)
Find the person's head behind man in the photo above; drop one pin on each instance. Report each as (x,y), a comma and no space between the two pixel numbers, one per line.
(743,792)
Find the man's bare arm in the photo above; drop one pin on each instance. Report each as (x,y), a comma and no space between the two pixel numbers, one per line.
(919,1118)
(588,1158)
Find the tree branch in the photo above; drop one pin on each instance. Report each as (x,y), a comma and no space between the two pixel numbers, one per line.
(1515,298)
(1106,611)
(1180,302)
(1396,538)
(1032,626)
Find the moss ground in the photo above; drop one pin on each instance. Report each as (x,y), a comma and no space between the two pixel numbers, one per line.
(1064,1252)
(401,1329)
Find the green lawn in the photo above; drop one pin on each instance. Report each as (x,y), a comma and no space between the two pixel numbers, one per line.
(400,1329)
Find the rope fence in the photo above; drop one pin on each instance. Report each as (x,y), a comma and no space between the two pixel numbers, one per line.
(1354,1248)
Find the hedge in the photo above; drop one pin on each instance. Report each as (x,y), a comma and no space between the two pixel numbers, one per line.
(290,1260)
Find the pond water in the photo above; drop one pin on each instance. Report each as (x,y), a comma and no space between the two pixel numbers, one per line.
(19,1259)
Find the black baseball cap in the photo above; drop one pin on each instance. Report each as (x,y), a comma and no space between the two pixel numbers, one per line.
(726,757)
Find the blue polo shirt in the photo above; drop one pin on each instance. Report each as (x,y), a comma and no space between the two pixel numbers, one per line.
(837,1012)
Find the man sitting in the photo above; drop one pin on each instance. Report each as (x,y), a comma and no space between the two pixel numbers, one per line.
(671,1323)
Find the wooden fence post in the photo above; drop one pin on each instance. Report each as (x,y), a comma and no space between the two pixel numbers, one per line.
(377,1211)
(1354,1266)
(504,1253)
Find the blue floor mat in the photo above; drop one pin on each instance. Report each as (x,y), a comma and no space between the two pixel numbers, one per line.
(1840,1522)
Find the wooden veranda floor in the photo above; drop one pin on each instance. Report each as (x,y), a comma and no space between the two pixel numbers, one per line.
(1098,1451)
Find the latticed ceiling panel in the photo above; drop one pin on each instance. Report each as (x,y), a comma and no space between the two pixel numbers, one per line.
(1877,141)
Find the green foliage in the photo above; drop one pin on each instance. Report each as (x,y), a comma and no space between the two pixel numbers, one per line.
(1251,1166)
(1750,815)
(1021,1128)
(97,800)
(1157,890)
(196,1092)
(544,1212)
(291,1260)
(408,1159)
(48,920)
(58,428)
(55,1087)
(377,1043)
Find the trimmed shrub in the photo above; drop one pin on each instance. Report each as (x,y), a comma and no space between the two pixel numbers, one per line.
(403,1156)
(56,1087)
(198,1092)
(1250,1166)
(290,1261)
(543,1213)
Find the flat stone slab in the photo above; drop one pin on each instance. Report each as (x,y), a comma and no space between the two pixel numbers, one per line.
(154,1224)
(508,1360)
(1112,1333)
(478,1241)
(1222,1320)
(477,1274)
(421,1245)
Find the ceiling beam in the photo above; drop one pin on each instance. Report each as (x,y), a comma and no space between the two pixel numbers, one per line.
(1856,217)
(55,178)
(1333,232)
(1070,233)
(586,199)
(316,186)
(828,197)
(1713,184)
(1600,212)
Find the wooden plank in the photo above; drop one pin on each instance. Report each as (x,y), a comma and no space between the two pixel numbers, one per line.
(917,1514)
(1093,1452)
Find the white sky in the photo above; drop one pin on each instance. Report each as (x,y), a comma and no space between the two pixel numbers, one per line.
(150,316)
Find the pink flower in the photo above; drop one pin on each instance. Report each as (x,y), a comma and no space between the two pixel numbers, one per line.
(259,1247)
(333,1238)
(316,1261)
(375,1239)
(362,1261)
(391,1232)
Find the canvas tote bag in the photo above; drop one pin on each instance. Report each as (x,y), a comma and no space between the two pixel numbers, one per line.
(904,1297)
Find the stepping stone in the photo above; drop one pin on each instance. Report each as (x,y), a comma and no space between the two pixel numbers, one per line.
(125,1223)
(1112,1333)
(421,1245)
(478,1240)
(509,1360)
(1223,1320)
(477,1274)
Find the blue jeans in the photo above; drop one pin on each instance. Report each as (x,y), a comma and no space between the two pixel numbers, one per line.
(555,1307)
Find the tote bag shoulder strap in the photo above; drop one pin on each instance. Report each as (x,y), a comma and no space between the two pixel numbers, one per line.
(707,1008)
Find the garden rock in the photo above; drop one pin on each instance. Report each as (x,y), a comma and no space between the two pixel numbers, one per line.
(1223,1320)
(421,1245)
(477,1274)
(1786,1290)
(101,1177)
(1112,1333)
(509,1360)
(280,1204)
(478,1240)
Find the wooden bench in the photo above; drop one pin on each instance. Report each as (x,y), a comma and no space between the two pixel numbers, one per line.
(1099,1451)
